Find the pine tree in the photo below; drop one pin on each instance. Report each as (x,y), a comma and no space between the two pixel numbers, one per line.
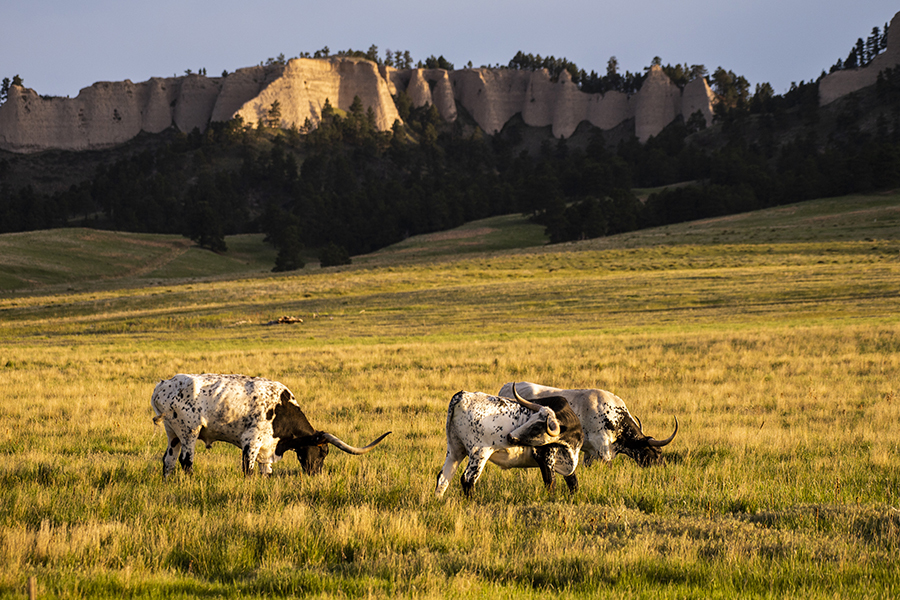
(873,44)
(274,115)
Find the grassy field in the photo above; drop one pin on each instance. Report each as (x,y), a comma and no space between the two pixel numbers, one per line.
(774,337)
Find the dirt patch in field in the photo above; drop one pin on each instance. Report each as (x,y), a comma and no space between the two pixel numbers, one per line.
(96,236)
(457,234)
(867,214)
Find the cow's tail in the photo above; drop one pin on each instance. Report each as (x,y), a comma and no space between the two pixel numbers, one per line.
(165,415)
(454,402)
(161,414)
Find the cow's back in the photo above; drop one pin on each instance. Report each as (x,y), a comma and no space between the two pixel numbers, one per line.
(587,403)
(598,410)
(225,404)
(231,397)
(474,417)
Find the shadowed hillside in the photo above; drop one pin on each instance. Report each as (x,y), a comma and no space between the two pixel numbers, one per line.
(84,259)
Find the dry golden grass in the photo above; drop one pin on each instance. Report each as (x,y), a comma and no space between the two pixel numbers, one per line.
(780,360)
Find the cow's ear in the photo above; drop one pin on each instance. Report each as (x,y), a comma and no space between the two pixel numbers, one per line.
(552,424)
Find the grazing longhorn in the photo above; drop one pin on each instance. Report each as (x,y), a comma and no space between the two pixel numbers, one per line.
(512,434)
(609,429)
(259,416)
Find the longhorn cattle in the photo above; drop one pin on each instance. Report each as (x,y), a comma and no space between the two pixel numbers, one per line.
(259,416)
(512,434)
(609,429)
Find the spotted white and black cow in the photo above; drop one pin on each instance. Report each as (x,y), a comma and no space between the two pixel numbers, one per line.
(609,429)
(259,416)
(512,434)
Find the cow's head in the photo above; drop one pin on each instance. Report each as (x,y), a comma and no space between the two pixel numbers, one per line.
(312,458)
(632,441)
(553,430)
(294,432)
(312,450)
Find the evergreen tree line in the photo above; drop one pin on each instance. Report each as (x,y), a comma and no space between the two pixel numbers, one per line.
(629,83)
(346,188)
(756,167)
(752,166)
(863,52)
(591,83)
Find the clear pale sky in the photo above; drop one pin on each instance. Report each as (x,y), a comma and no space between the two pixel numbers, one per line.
(61,46)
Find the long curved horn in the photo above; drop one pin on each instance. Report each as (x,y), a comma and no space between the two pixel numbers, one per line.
(352,449)
(639,424)
(552,423)
(524,402)
(661,443)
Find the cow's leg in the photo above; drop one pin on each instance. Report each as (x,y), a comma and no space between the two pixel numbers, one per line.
(455,453)
(596,448)
(477,460)
(546,474)
(182,432)
(247,463)
(173,451)
(186,458)
(252,445)
(443,479)
(264,461)
(250,452)
(572,482)
(180,448)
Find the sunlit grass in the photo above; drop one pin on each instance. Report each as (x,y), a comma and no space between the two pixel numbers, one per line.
(780,361)
(781,464)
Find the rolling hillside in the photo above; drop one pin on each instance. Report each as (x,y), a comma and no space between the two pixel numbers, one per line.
(83,259)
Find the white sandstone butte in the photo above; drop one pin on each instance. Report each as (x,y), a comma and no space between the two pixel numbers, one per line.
(110,113)
(106,114)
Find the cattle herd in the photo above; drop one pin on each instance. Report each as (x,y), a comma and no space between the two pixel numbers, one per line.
(547,431)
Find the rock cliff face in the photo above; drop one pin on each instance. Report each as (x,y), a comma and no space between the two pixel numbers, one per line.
(110,113)
(107,114)
(240,87)
(305,84)
(840,83)
(493,96)
(427,86)
(102,115)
